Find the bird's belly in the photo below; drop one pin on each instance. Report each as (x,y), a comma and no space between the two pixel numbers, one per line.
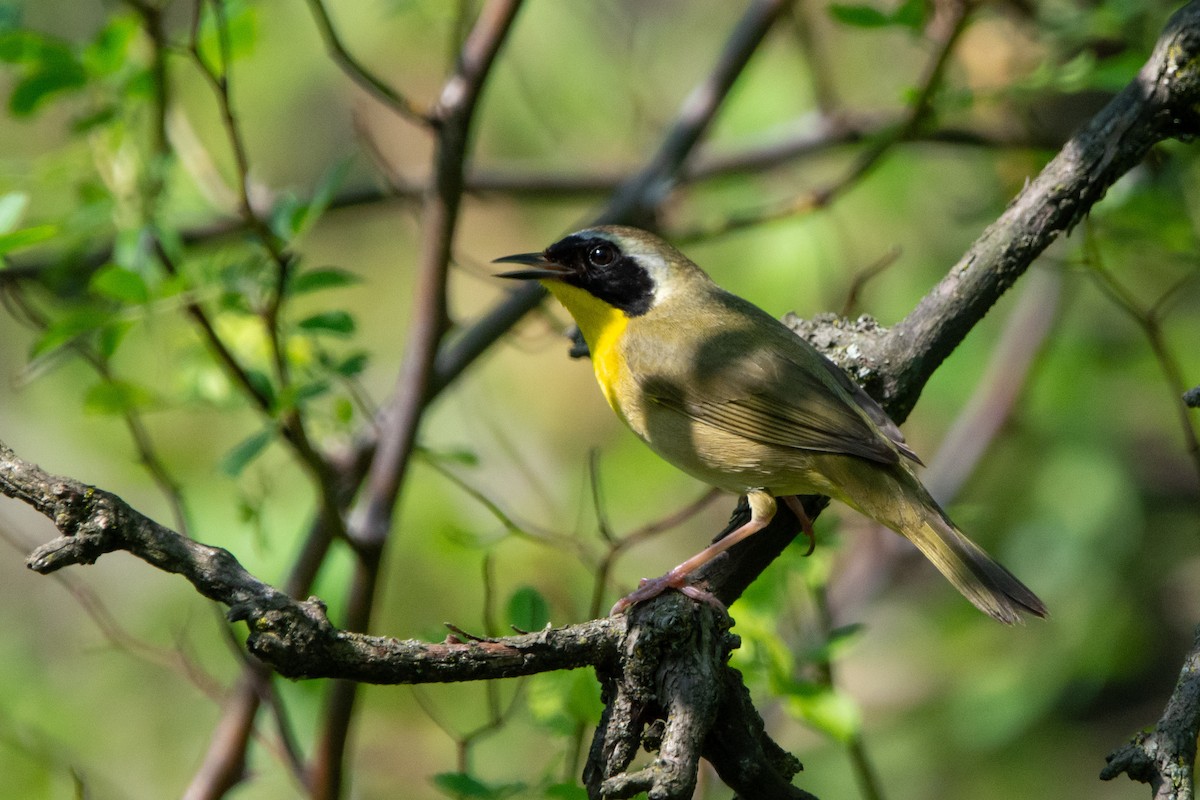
(724,459)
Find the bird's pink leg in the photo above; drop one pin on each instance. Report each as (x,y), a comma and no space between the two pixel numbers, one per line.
(762,510)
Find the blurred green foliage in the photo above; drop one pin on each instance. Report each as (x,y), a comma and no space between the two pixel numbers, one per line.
(119,217)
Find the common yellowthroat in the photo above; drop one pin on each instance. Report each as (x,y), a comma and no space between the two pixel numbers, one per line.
(726,393)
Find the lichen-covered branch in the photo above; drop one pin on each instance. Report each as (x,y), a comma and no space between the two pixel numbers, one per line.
(1162,102)
(293,636)
(1165,757)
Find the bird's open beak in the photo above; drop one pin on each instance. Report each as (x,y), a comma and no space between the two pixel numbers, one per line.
(539,267)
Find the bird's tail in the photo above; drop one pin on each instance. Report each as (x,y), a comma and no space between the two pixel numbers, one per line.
(981,579)
(910,510)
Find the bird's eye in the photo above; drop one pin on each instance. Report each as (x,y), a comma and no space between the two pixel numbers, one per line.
(602,255)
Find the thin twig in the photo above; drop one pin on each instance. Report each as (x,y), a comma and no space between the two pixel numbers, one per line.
(358,73)
(1148,318)
(401,417)
(914,117)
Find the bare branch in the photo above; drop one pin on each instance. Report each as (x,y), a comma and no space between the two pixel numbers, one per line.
(894,365)
(358,73)
(1160,103)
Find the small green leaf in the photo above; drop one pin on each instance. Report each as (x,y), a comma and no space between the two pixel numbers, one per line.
(109,51)
(859,16)
(333,323)
(233,26)
(12,209)
(117,397)
(250,448)
(287,217)
(298,394)
(561,701)
(68,328)
(111,336)
(528,610)
(460,784)
(323,196)
(910,14)
(26,237)
(120,284)
(94,119)
(262,385)
(23,46)
(42,82)
(343,411)
(325,278)
(840,640)
(825,709)
(352,365)
(457,455)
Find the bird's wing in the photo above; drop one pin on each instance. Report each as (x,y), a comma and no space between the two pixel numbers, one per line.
(779,391)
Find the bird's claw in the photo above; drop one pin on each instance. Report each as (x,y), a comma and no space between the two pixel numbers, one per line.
(649,588)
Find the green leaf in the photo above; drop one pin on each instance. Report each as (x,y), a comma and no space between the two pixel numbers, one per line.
(825,709)
(287,217)
(68,328)
(262,385)
(120,284)
(235,27)
(94,119)
(12,209)
(111,336)
(47,78)
(26,237)
(566,791)
(460,784)
(117,397)
(910,14)
(456,455)
(840,640)
(324,278)
(333,323)
(528,610)
(323,196)
(859,16)
(561,701)
(250,448)
(352,364)
(23,46)
(298,394)
(109,51)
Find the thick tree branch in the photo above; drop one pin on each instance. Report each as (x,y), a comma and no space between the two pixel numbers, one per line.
(894,365)
(1162,102)
(298,639)
(293,636)
(1165,757)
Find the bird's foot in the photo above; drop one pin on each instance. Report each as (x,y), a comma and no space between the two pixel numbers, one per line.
(649,588)
(806,525)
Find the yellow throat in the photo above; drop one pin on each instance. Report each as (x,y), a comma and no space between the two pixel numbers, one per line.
(602,326)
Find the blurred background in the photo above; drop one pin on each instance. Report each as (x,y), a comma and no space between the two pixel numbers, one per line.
(1056,432)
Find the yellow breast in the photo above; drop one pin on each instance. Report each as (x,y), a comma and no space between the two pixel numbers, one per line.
(602,327)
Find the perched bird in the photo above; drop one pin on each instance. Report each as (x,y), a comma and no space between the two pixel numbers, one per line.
(728,394)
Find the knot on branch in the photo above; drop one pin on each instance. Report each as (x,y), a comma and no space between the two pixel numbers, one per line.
(669,670)
(1179,74)
(672,692)
(92,521)
(1136,759)
(293,637)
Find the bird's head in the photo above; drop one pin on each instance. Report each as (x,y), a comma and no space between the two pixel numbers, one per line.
(626,269)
